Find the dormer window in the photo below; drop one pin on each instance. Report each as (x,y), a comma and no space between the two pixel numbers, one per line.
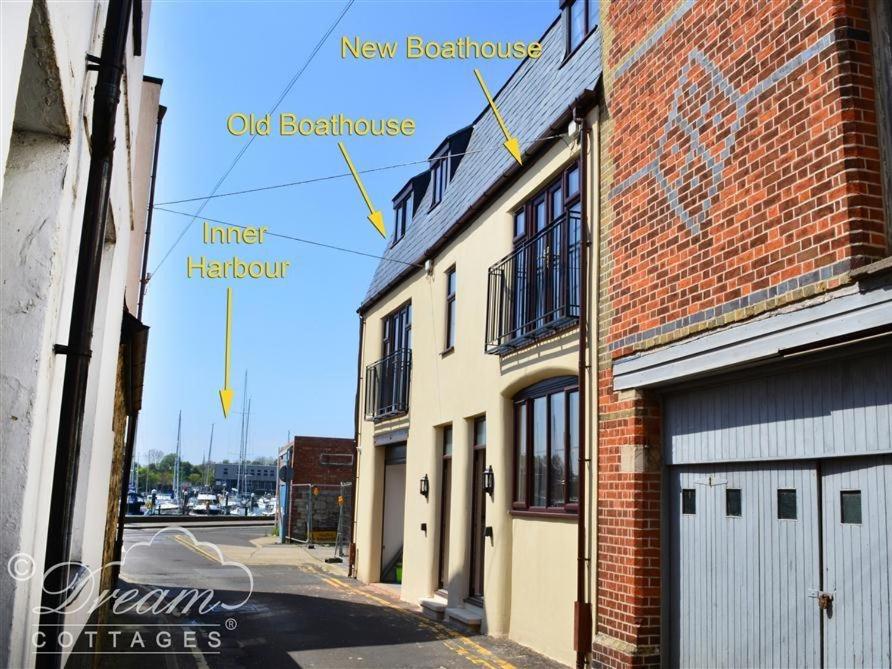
(580,19)
(402,216)
(439,176)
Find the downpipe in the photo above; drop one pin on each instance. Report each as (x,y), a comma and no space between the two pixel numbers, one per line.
(351,561)
(583,609)
(80,335)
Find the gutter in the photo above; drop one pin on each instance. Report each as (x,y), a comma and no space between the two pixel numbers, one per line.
(63,496)
(144,274)
(582,101)
(351,562)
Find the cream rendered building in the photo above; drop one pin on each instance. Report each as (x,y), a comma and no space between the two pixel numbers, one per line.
(46,127)
(468,425)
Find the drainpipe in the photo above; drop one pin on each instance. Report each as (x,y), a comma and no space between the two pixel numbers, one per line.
(133,419)
(583,609)
(83,312)
(351,563)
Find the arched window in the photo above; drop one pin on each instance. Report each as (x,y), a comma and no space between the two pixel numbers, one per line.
(546,446)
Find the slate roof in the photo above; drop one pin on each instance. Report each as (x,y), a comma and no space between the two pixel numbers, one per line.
(535,96)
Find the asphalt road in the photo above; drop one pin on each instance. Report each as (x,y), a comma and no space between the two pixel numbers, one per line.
(299,614)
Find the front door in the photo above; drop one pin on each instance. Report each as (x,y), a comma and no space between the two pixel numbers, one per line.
(478,510)
(445,503)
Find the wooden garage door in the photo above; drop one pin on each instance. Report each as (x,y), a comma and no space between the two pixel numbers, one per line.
(841,407)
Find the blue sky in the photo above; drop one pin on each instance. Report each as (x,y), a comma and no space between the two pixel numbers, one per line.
(297,337)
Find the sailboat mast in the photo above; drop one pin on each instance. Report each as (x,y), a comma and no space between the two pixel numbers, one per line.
(176,467)
(207,468)
(247,427)
(241,443)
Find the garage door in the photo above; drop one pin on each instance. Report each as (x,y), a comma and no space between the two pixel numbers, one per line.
(782,558)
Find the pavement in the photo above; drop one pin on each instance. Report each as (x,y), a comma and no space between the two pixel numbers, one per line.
(207,597)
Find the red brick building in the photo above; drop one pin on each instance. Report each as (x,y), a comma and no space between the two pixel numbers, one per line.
(318,504)
(321,460)
(744,300)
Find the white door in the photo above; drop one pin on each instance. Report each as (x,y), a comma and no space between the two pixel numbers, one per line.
(743,560)
(857,503)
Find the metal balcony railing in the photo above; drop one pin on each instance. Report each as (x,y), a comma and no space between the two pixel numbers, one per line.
(534,291)
(387,385)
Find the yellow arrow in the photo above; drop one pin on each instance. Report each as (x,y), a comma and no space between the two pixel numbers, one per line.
(375,216)
(511,143)
(226,391)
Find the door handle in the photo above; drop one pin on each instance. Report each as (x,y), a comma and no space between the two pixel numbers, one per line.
(825,599)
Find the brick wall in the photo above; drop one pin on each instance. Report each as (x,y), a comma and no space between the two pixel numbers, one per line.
(322,460)
(740,173)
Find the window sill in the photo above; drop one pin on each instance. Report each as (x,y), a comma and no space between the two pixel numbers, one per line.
(543,513)
(448,351)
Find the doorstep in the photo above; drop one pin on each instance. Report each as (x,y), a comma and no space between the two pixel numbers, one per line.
(468,617)
(433,607)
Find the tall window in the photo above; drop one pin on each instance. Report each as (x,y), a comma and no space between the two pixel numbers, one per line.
(450,309)
(546,281)
(546,446)
(580,19)
(397,335)
(402,217)
(439,176)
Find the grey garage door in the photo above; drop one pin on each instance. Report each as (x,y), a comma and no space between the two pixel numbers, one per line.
(753,542)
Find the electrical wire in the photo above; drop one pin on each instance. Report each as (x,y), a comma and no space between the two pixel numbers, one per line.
(292,238)
(302,182)
(242,151)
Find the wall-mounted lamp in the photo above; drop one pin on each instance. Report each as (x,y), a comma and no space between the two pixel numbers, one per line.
(489,481)
(424,487)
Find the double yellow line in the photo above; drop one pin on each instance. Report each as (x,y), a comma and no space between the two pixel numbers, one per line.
(457,643)
(182,540)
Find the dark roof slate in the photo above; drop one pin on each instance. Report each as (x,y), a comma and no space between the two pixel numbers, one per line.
(536,94)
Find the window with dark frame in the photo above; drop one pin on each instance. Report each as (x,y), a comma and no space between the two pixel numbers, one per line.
(733,503)
(580,19)
(397,330)
(850,506)
(544,276)
(546,447)
(402,217)
(450,308)
(786,504)
(689,501)
(439,176)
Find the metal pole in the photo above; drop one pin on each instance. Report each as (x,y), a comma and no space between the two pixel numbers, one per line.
(583,612)
(80,333)
(351,560)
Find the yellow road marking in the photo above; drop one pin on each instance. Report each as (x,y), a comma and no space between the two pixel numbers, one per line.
(183,541)
(474,652)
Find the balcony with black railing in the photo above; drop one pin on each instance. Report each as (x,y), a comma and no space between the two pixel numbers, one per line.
(387,385)
(534,291)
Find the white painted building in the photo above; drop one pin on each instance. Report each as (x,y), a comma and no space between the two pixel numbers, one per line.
(46,114)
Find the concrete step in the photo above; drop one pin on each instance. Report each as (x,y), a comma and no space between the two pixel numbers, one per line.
(468,618)
(433,607)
